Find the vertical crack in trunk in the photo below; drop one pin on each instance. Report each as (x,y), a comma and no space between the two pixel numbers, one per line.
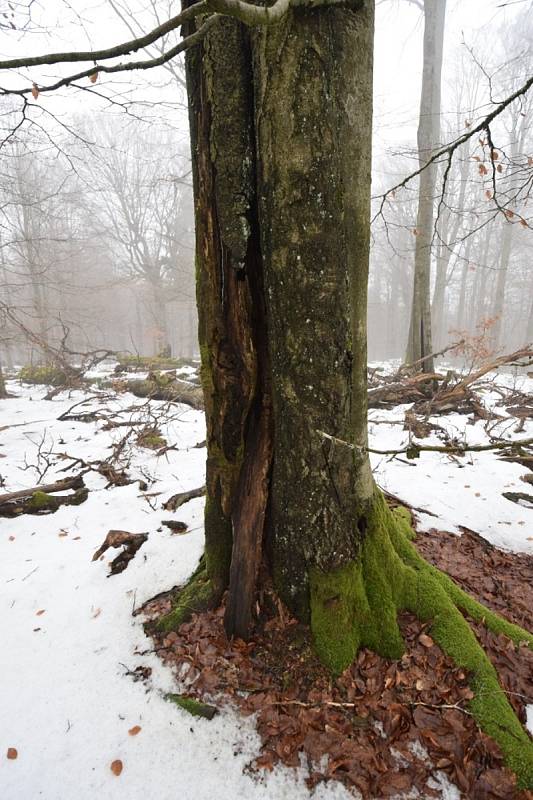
(232,319)
(252,494)
(253,488)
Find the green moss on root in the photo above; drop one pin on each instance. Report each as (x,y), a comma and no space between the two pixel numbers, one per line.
(335,599)
(196,596)
(357,605)
(192,706)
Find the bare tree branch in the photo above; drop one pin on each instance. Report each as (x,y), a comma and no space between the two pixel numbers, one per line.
(189,41)
(449,149)
(124,49)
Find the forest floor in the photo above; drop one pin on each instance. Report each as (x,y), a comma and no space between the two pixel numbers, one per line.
(84,696)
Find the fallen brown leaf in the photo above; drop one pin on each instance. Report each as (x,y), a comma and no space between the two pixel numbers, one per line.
(135,730)
(12,753)
(116,767)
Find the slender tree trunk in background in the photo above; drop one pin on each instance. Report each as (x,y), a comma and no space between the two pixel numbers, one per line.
(35,272)
(518,139)
(529,327)
(448,236)
(160,337)
(3,392)
(7,349)
(419,344)
(501,282)
(479,298)
(461,321)
(439,296)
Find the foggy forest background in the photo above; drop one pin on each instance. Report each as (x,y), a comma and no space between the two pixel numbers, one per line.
(96,210)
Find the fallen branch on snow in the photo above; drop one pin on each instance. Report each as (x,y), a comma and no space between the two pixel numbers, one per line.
(131,542)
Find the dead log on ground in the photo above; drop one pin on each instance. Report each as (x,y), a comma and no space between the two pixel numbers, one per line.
(41,503)
(131,542)
(48,488)
(168,387)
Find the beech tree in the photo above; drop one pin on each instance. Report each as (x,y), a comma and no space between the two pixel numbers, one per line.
(280,104)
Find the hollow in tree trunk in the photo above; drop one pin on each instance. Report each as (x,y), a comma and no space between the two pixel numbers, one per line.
(281,139)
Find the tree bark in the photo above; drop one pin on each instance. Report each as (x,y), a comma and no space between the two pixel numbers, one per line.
(419,343)
(282,275)
(315,241)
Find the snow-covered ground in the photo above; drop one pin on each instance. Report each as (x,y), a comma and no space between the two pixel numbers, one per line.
(459,491)
(70,642)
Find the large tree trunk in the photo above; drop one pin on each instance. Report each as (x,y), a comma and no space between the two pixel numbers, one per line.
(282,260)
(281,136)
(419,343)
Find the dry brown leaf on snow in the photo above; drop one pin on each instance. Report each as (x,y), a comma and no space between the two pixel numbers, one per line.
(40,612)
(12,753)
(135,730)
(116,767)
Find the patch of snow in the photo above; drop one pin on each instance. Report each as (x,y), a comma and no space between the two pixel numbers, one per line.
(66,698)
(458,490)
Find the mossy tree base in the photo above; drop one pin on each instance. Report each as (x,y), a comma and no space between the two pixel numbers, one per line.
(196,596)
(357,606)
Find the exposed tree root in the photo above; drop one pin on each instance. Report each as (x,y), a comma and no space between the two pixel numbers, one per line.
(196,596)
(357,606)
